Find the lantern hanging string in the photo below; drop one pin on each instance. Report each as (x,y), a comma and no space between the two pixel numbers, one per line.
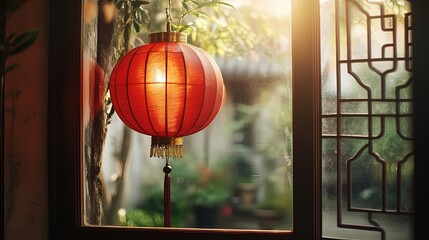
(168,13)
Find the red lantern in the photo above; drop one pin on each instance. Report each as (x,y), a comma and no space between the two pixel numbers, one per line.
(93,79)
(166,89)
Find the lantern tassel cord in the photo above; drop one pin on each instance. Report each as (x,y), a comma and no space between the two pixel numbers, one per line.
(167,206)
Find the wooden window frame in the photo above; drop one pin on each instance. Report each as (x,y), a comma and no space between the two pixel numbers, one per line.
(65,140)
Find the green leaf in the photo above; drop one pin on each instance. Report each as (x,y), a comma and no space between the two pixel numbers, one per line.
(136,26)
(12,6)
(138,3)
(227,4)
(195,2)
(137,15)
(196,14)
(145,16)
(23,41)
(184,28)
(119,4)
(185,6)
(141,16)
(11,36)
(203,14)
(11,67)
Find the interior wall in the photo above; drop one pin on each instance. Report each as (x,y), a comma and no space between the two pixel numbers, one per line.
(25,167)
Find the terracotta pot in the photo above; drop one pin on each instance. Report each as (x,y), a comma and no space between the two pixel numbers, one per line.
(268,219)
(247,193)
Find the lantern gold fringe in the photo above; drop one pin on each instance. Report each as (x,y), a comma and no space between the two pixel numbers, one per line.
(166,147)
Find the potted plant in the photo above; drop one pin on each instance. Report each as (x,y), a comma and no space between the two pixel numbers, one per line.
(244,179)
(210,192)
(199,191)
(275,207)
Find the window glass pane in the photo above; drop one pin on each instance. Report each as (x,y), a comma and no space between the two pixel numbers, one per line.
(235,171)
(367,139)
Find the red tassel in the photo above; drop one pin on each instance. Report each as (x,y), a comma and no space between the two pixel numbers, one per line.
(167,170)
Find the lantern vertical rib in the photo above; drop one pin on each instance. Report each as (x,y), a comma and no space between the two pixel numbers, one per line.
(216,71)
(145,87)
(166,90)
(185,73)
(128,93)
(126,121)
(204,92)
(209,119)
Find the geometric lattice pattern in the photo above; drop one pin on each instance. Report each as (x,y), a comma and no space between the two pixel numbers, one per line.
(367,113)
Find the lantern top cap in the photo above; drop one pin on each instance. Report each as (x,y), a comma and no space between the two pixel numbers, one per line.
(168,37)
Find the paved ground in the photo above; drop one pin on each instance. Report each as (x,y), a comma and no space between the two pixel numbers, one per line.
(396,227)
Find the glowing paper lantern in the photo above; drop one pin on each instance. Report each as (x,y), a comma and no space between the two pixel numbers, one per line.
(167,89)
